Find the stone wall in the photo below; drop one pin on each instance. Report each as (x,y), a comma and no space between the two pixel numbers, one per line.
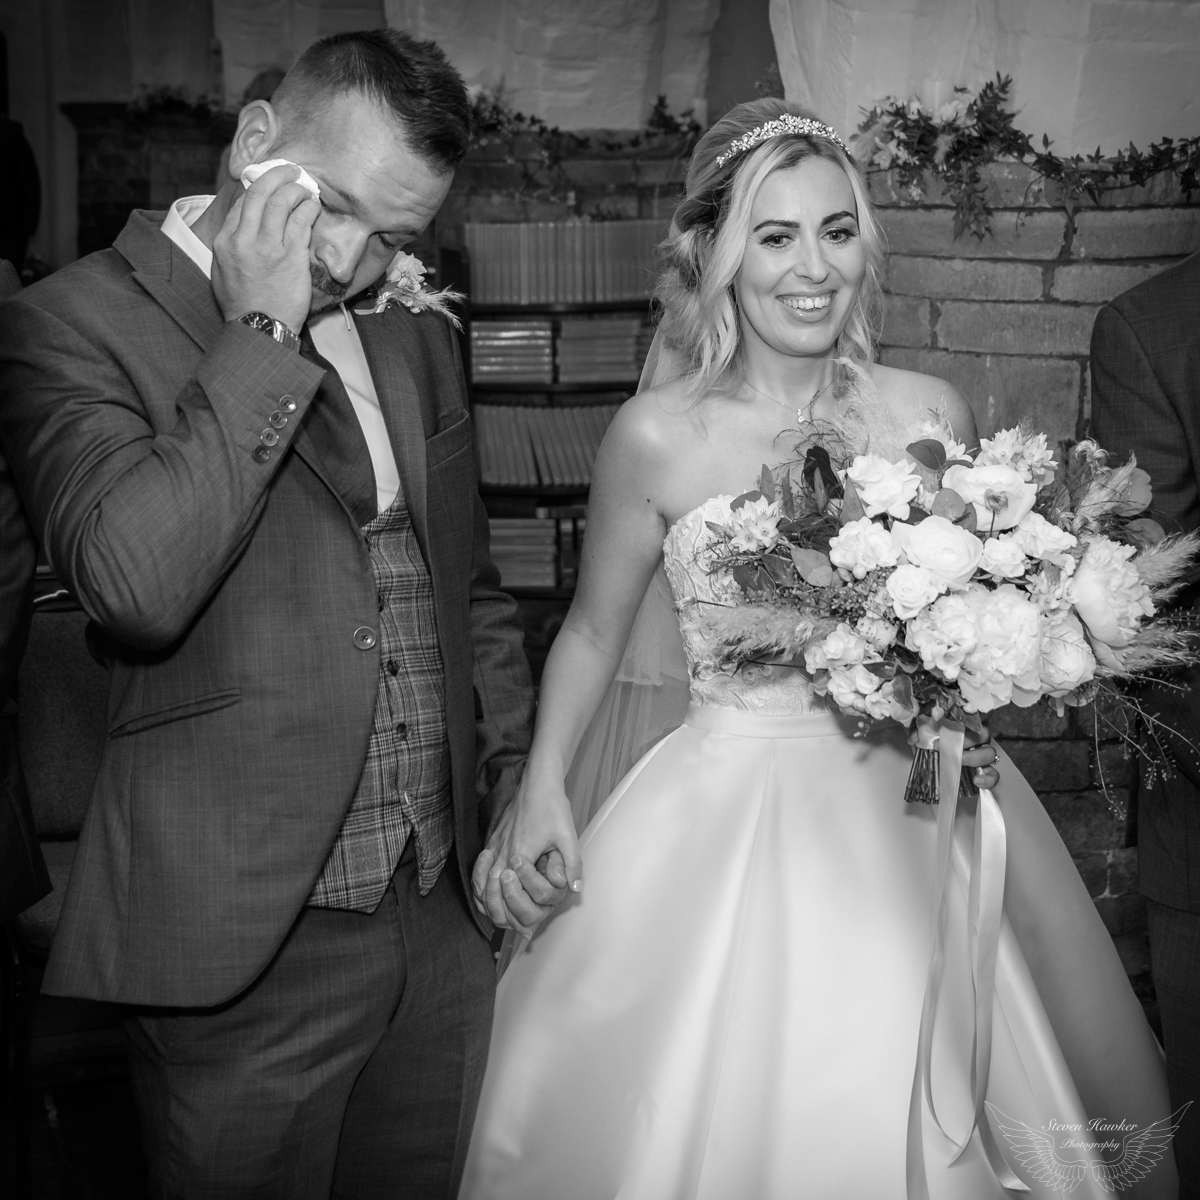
(1008,319)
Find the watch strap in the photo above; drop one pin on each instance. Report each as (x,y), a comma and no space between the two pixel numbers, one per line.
(272,327)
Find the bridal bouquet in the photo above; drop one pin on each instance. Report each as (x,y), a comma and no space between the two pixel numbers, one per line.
(946,584)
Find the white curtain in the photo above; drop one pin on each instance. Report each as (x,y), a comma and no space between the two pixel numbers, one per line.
(578,64)
(1086,72)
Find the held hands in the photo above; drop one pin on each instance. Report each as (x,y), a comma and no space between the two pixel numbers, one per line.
(979,756)
(261,254)
(531,860)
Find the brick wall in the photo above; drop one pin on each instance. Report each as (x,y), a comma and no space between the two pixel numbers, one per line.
(1008,319)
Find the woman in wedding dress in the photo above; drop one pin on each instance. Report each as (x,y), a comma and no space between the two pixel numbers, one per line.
(729,1004)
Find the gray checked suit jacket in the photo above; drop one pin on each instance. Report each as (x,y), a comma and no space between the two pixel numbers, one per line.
(1146,399)
(225,593)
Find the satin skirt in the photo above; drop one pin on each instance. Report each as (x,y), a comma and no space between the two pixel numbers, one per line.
(731,1007)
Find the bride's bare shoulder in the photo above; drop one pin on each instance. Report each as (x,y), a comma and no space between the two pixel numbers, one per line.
(652,423)
(917,395)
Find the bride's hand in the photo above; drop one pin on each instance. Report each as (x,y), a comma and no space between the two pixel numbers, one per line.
(530,861)
(979,756)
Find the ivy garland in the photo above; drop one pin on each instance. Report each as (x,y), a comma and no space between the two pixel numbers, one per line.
(539,150)
(957,141)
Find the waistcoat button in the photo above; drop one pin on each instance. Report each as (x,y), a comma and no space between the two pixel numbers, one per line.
(364,637)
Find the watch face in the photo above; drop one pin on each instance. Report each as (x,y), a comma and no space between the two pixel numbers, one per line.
(259,321)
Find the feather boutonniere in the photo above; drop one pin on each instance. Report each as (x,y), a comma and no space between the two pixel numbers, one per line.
(404,283)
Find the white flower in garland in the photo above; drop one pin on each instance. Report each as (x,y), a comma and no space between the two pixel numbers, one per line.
(404,283)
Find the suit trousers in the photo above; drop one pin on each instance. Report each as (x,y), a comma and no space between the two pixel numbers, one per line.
(1175,965)
(350,1068)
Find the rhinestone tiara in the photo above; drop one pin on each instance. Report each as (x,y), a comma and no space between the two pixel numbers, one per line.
(778,128)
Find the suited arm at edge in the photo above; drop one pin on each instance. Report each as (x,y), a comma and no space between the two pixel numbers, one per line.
(142,525)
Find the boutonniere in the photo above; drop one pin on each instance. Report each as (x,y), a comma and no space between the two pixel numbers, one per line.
(404,283)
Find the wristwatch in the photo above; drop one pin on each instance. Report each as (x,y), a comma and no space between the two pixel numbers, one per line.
(272,328)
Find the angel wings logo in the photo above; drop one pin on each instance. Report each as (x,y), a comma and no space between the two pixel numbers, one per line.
(1128,1153)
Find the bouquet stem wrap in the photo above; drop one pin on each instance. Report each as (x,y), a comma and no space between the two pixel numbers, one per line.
(923,779)
(985,912)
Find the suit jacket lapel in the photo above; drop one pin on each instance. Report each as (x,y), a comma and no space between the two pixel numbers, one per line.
(387,342)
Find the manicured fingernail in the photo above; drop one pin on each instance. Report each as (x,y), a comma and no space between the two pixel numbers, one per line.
(577,886)
(507,877)
(516,861)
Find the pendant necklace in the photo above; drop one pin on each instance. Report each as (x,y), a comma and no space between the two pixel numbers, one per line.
(800,417)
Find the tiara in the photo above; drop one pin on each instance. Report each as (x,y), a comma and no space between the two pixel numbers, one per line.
(778,128)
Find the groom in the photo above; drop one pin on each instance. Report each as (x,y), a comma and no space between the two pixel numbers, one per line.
(266,502)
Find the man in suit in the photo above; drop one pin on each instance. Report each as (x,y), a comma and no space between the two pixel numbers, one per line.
(1145,362)
(23,877)
(266,502)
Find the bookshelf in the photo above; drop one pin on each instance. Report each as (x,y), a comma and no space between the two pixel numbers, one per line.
(557,328)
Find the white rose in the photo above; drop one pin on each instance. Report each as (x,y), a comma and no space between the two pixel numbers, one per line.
(1043,539)
(840,648)
(911,588)
(943,634)
(999,494)
(861,546)
(1109,594)
(1066,658)
(1003,558)
(882,486)
(947,551)
(754,525)
(879,634)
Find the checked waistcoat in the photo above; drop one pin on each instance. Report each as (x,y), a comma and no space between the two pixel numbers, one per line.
(405,786)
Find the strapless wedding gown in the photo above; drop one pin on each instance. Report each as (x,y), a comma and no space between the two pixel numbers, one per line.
(730,1010)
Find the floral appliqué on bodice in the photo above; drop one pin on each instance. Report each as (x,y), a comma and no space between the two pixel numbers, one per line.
(774,690)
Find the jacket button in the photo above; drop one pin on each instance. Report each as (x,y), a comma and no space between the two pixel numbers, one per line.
(364,637)
(287,403)
(260,454)
(269,437)
(277,420)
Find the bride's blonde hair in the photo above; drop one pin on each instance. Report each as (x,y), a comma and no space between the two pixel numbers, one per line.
(704,250)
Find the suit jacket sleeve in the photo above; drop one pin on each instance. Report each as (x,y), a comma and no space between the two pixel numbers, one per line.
(142,502)
(1132,413)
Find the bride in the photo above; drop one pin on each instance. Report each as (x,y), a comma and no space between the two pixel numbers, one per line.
(728,1004)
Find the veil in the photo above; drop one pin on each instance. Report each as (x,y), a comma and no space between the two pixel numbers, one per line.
(648,696)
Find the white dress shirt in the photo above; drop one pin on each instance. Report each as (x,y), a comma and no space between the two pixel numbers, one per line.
(334,336)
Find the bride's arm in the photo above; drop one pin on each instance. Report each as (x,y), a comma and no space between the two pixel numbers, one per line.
(621,550)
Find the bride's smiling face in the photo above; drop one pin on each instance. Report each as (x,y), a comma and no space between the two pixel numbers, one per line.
(804,261)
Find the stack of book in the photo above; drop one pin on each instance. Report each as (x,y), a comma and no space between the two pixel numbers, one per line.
(599,349)
(539,447)
(566,262)
(525,550)
(517,351)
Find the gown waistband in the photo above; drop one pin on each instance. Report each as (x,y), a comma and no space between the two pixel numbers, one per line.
(742,723)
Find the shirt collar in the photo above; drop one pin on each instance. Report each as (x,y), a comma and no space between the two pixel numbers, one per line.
(182,215)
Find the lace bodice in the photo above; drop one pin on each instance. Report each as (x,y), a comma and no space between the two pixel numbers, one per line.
(766,689)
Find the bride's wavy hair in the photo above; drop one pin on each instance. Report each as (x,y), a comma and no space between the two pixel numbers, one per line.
(703,251)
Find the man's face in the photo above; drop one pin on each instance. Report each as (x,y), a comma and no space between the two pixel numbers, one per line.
(377,194)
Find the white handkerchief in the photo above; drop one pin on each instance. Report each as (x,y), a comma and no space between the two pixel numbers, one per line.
(254,170)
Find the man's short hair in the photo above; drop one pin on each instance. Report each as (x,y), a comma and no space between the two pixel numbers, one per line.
(412,79)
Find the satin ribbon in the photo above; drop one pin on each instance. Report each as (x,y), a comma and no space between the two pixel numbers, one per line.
(985,909)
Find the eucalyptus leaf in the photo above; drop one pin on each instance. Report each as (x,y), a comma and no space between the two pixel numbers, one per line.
(812,566)
(766,484)
(852,508)
(779,568)
(949,504)
(968,520)
(744,498)
(1146,531)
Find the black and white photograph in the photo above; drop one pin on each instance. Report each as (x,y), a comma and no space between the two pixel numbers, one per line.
(600,599)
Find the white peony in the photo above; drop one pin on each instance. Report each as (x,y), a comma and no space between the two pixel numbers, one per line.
(754,525)
(882,486)
(943,635)
(1066,658)
(861,546)
(999,494)
(1004,666)
(1109,594)
(911,588)
(947,551)
(1043,539)
(1003,558)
